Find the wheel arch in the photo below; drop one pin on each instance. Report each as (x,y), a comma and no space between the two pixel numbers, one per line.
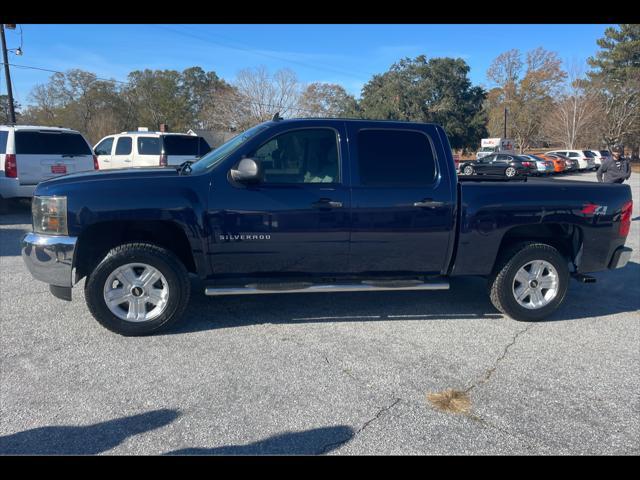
(565,238)
(97,239)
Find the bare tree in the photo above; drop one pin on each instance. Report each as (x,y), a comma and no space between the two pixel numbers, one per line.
(575,112)
(265,95)
(526,89)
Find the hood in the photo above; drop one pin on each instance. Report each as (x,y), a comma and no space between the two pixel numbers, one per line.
(110,175)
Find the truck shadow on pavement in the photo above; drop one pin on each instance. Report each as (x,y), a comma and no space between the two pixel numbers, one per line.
(84,440)
(309,442)
(615,292)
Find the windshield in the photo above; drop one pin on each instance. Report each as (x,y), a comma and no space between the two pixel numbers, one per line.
(223,151)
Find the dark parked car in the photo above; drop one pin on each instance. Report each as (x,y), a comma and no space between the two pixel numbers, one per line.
(312,206)
(500,164)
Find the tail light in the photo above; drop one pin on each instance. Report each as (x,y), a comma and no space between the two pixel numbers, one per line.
(96,165)
(163,160)
(625,219)
(10,166)
(527,164)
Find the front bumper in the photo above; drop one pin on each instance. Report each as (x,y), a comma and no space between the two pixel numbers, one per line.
(49,258)
(620,257)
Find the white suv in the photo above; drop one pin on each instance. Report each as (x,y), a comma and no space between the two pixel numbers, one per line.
(586,158)
(600,155)
(148,149)
(31,154)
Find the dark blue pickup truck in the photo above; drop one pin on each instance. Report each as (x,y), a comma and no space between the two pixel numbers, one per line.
(318,205)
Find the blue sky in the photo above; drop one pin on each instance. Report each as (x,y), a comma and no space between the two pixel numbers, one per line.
(344,54)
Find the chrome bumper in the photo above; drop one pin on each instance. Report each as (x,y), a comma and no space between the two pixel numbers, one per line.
(49,258)
(620,257)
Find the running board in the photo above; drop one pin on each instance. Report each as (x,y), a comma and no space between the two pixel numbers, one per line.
(365,286)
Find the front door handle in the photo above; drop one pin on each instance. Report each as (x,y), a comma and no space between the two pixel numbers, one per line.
(326,204)
(428,203)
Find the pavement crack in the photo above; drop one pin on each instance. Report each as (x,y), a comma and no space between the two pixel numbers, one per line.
(332,446)
(489,373)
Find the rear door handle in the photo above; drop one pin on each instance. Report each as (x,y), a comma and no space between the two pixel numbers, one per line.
(428,203)
(326,204)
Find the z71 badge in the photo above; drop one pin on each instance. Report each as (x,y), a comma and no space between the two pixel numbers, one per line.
(593,209)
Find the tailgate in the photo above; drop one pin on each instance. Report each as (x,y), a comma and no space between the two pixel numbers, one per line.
(33,169)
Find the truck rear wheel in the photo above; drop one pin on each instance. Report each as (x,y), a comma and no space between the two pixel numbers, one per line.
(530,281)
(138,289)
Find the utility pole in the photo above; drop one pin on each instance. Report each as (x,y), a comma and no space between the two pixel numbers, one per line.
(505,123)
(5,59)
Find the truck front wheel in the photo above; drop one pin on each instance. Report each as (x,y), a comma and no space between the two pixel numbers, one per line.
(138,289)
(530,281)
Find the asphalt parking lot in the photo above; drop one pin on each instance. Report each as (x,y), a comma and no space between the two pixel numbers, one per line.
(345,373)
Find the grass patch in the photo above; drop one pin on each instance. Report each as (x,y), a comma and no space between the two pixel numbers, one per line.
(450,401)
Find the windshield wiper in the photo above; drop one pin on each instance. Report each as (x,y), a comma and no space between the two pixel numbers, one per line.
(185,167)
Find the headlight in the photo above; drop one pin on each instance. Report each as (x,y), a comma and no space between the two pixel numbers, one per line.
(50,215)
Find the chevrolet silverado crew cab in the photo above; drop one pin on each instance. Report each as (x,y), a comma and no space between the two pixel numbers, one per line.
(318,206)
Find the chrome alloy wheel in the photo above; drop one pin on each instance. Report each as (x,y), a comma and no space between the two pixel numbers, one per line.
(136,292)
(536,284)
(510,172)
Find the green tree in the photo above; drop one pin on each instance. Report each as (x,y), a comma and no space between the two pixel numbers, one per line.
(157,97)
(4,109)
(616,76)
(326,100)
(437,90)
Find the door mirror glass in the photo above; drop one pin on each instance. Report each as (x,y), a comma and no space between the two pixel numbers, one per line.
(247,171)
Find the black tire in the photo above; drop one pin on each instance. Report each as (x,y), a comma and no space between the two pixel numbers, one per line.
(160,258)
(502,281)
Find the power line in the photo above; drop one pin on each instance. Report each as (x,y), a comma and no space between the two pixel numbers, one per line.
(256,52)
(30,67)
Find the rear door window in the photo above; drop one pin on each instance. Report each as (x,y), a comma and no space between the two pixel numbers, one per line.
(185,145)
(148,145)
(123,147)
(45,142)
(395,158)
(589,154)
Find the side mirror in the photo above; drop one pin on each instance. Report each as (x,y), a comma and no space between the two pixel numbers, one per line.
(247,171)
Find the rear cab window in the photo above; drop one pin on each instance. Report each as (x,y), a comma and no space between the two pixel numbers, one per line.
(50,142)
(395,158)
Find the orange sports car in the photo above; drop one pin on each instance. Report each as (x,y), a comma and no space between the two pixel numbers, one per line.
(559,164)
